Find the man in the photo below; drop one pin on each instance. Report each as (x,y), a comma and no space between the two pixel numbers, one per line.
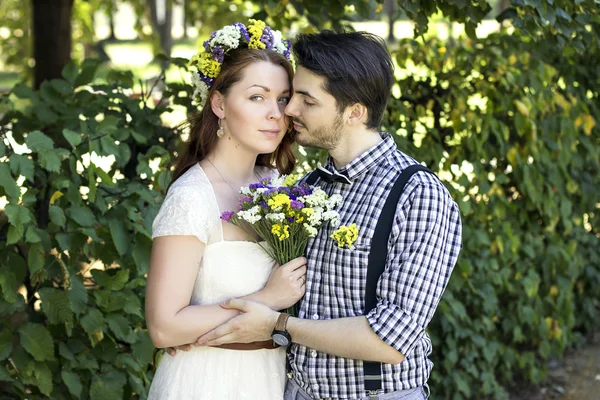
(341,89)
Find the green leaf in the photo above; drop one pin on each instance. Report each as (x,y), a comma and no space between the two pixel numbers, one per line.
(56,305)
(50,160)
(8,284)
(23,91)
(22,165)
(72,382)
(133,306)
(6,344)
(92,322)
(2,148)
(107,386)
(4,375)
(36,258)
(120,326)
(32,236)
(70,72)
(119,235)
(143,348)
(73,138)
(88,70)
(61,86)
(43,377)
(17,215)
(8,183)
(141,254)
(65,352)
(82,215)
(57,216)
(37,341)
(77,294)
(38,141)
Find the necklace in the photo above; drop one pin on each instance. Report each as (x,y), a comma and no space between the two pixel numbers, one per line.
(226,181)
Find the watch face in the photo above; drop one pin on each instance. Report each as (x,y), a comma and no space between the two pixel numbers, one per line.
(281,339)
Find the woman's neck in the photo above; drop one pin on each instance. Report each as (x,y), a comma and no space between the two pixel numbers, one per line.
(233,163)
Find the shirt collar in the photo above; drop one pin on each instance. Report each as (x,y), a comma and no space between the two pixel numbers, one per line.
(366,160)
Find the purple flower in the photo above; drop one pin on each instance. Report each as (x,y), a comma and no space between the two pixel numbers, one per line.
(267,38)
(243,200)
(302,191)
(256,185)
(290,219)
(263,204)
(218,53)
(296,205)
(226,216)
(206,79)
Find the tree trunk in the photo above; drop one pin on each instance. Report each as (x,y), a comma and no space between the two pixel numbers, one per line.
(51,38)
(111,24)
(184,8)
(162,28)
(390,9)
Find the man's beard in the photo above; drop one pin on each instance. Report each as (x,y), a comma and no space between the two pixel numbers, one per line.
(323,137)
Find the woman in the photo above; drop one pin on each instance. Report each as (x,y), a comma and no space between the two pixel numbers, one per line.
(198,260)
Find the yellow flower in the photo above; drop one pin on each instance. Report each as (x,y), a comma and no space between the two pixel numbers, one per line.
(345,235)
(282,232)
(308,211)
(255,29)
(291,180)
(279,200)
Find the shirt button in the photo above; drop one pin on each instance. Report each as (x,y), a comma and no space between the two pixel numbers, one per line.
(315,316)
(317,276)
(313,354)
(315,386)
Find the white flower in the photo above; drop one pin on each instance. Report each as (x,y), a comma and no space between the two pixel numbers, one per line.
(316,218)
(334,201)
(277,182)
(277,217)
(252,215)
(278,44)
(332,216)
(227,37)
(312,232)
(200,89)
(317,198)
(246,191)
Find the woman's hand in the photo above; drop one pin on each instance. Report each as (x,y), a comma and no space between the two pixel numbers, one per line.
(286,284)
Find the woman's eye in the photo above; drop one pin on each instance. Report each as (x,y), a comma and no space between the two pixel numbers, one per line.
(284,99)
(256,97)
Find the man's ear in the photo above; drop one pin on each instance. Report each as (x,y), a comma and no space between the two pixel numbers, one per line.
(357,114)
(217,103)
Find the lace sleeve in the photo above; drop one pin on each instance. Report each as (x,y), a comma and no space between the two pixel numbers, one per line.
(183,212)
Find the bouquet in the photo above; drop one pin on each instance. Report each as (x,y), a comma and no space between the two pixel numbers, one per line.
(286,214)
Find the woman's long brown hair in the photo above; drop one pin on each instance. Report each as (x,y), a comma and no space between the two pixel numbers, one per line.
(203,126)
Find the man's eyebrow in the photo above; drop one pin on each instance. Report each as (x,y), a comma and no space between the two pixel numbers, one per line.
(305,93)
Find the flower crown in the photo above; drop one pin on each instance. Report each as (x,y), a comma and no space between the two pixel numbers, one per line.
(257,35)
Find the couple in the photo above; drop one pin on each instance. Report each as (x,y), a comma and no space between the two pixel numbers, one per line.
(211,284)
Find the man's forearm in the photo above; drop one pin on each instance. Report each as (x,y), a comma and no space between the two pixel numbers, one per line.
(344,337)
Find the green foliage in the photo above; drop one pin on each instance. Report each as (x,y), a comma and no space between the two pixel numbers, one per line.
(514,138)
(76,234)
(510,123)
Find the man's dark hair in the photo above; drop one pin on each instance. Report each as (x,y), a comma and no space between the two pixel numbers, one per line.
(356,66)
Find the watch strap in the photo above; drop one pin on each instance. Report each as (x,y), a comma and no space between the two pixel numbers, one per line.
(281,323)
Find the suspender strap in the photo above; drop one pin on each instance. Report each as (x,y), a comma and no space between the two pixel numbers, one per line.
(377,258)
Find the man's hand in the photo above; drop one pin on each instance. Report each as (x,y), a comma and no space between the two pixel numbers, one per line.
(255,324)
(172,350)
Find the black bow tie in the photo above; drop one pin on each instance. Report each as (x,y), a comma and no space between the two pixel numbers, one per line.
(330,177)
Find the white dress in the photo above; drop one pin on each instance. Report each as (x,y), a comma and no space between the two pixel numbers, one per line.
(228,269)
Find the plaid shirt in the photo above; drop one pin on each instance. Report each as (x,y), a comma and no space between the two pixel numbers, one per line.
(423,249)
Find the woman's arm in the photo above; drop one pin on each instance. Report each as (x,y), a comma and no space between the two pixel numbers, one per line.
(174,267)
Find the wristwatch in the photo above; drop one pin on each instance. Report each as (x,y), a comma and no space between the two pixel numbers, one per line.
(280,334)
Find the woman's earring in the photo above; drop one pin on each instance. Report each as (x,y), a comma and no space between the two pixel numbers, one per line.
(221,130)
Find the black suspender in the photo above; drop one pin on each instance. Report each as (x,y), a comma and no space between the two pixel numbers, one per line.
(377,258)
